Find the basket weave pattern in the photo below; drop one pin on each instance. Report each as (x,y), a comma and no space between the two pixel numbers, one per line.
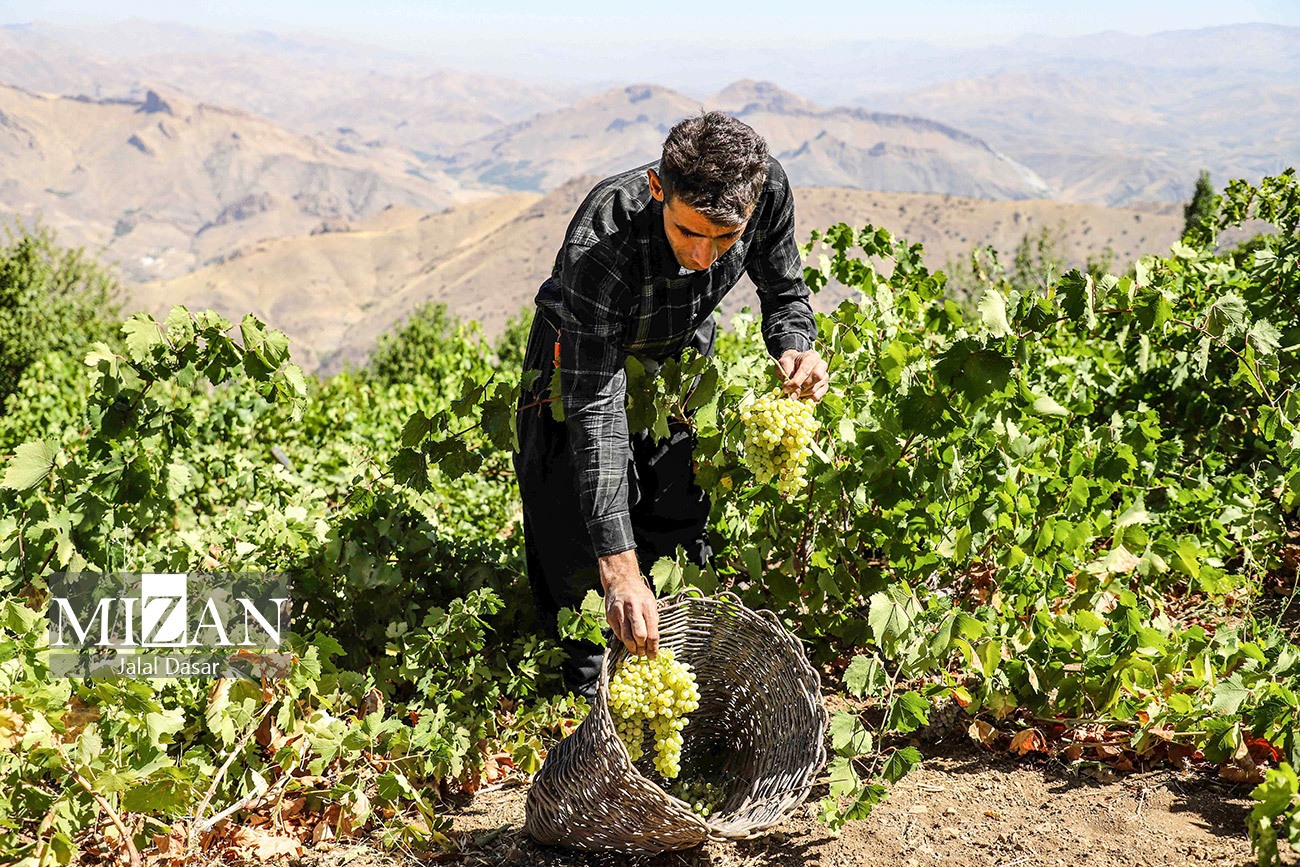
(761,718)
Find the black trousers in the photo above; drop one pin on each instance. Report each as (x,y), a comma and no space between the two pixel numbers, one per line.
(667,508)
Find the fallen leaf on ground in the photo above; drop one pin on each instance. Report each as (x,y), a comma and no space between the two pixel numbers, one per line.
(169,847)
(982,732)
(1028,741)
(263,846)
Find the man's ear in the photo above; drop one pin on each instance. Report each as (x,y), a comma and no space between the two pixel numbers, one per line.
(656,186)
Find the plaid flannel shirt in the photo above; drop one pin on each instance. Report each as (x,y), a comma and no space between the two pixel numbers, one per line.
(617,288)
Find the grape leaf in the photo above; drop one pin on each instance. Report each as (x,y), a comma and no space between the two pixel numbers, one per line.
(30,465)
(901,763)
(865,677)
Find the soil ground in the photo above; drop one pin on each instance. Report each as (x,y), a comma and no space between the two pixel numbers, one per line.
(964,806)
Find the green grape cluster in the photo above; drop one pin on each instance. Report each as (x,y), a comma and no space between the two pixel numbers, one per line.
(779,431)
(704,797)
(655,693)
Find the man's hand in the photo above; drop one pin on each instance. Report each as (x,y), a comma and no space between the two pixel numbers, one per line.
(630,606)
(805,373)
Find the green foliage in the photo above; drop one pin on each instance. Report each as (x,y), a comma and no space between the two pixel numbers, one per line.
(1199,212)
(1038,261)
(52,301)
(513,342)
(198,446)
(1009,499)
(1013,505)
(1276,814)
(413,349)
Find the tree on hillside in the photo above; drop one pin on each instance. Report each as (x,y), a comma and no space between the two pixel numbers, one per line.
(1038,260)
(513,342)
(52,299)
(1198,214)
(423,345)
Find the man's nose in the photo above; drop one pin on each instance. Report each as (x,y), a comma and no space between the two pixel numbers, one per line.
(704,252)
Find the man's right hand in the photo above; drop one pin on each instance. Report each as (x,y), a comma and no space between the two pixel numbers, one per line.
(630,606)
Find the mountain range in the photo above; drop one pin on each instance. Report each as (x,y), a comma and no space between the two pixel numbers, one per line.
(842,147)
(334,293)
(162,184)
(331,186)
(1110,117)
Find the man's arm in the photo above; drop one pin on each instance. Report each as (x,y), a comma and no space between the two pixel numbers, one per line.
(593,384)
(776,268)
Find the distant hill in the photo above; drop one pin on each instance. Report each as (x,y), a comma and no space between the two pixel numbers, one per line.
(163,184)
(1107,117)
(306,177)
(336,292)
(307,84)
(830,147)
(1119,118)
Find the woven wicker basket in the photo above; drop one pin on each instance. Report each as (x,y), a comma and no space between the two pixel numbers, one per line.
(760,729)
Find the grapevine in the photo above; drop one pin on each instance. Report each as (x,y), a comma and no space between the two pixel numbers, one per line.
(1024,496)
(655,693)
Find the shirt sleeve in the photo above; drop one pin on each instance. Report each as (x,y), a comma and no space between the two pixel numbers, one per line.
(593,386)
(777,272)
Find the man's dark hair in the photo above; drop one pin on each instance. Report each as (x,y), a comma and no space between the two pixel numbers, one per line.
(716,165)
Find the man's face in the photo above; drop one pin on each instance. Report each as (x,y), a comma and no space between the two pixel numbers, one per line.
(696,241)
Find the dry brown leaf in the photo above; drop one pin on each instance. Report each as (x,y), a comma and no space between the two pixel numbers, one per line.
(982,732)
(1028,741)
(78,716)
(372,703)
(169,847)
(268,665)
(11,729)
(1090,734)
(322,832)
(359,809)
(1242,768)
(1181,755)
(263,846)
(265,732)
(1116,756)
(1242,771)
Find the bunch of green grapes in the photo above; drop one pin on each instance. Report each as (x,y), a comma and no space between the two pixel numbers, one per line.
(704,797)
(779,431)
(655,693)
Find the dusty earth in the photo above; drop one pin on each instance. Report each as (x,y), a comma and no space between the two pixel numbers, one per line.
(964,806)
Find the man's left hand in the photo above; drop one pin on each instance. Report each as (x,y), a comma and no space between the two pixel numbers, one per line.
(805,373)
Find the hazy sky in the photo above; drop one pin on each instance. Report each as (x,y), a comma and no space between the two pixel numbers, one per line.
(410,25)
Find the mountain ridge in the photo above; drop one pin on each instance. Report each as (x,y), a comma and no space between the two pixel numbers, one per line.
(335,293)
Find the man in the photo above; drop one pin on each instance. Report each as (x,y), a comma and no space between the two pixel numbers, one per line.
(645,261)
